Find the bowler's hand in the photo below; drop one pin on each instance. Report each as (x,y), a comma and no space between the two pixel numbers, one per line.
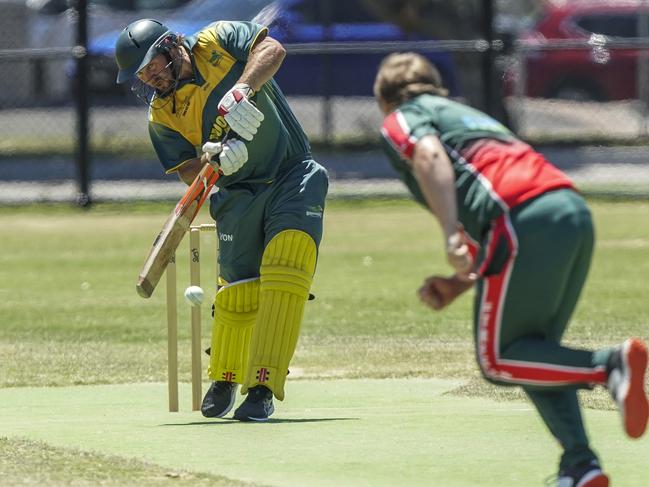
(241,115)
(457,252)
(229,156)
(438,292)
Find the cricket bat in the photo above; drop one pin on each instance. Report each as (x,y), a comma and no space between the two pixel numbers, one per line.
(174,229)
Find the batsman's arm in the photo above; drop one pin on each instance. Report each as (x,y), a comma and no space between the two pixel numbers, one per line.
(265,58)
(189,170)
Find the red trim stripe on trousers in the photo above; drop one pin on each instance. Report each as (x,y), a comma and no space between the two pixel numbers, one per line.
(493,297)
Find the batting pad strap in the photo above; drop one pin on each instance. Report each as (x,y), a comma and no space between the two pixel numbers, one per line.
(235,310)
(295,281)
(288,264)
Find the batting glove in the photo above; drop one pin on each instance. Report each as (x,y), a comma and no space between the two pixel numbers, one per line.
(241,115)
(232,155)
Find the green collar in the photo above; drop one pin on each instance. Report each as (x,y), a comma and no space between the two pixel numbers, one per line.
(197,78)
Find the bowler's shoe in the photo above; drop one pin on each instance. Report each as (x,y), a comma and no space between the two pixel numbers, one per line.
(626,383)
(584,475)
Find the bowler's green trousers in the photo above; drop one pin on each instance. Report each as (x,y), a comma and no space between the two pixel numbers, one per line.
(538,256)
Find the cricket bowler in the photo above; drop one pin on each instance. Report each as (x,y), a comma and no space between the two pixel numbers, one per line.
(517,231)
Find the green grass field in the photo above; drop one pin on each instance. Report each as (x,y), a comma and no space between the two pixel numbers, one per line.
(381,392)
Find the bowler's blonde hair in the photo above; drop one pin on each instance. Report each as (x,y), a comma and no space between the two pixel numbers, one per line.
(403,76)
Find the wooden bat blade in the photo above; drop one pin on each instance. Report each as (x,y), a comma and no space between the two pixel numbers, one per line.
(164,247)
(173,231)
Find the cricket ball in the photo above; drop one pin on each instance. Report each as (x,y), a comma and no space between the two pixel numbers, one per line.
(194,295)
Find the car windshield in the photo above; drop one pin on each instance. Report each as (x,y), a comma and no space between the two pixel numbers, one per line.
(611,25)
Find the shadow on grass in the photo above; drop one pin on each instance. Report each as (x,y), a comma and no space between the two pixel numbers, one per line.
(226,421)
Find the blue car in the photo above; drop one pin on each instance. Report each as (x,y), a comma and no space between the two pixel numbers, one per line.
(296,22)
(340,74)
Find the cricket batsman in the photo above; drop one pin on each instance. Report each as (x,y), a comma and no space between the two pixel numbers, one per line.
(213,100)
(517,231)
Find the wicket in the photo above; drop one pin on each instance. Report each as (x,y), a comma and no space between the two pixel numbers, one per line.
(172,320)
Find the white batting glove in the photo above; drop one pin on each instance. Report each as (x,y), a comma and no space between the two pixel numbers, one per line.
(211,149)
(241,115)
(232,155)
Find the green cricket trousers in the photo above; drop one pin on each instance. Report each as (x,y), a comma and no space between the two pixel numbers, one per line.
(249,215)
(536,259)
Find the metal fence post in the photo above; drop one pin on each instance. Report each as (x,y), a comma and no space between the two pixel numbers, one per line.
(80,52)
(488,56)
(520,86)
(327,75)
(642,70)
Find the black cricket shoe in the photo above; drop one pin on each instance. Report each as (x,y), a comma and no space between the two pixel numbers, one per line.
(258,405)
(583,475)
(219,399)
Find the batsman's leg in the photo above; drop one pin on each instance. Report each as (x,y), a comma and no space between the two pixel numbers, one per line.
(287,269)
(235,309)
(293,229)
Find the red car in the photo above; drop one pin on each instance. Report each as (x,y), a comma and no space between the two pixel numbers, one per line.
(598,72)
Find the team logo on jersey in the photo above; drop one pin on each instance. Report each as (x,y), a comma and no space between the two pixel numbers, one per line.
(184,107)
(215,58)
(218,128)
(314,211)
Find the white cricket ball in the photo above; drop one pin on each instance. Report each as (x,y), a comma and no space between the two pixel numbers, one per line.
(194,295)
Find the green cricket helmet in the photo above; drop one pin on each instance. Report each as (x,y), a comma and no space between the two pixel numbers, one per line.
(139,43)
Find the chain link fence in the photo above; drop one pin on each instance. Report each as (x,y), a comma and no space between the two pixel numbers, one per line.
(595,125)
(594,89)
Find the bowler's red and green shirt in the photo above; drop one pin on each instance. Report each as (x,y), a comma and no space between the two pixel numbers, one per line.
(494,171)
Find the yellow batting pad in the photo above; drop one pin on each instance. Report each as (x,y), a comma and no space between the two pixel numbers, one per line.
(286,272)
(235,309)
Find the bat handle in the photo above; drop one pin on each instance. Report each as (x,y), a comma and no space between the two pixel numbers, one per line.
(213,160)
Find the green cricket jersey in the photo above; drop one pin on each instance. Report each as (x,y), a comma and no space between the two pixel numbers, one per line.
(178,130)
(493,170)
